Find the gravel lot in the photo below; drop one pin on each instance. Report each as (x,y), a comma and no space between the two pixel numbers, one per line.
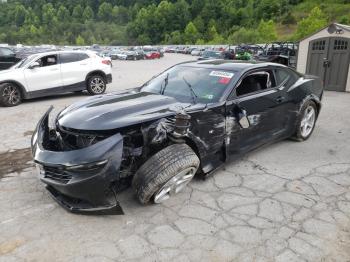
(286,202)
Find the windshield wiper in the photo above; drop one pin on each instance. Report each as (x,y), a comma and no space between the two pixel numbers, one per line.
(193,93)
(164,84)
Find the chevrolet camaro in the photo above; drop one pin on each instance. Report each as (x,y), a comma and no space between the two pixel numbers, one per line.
(189,120)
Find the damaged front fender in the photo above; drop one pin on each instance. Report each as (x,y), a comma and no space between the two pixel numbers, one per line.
(80,180)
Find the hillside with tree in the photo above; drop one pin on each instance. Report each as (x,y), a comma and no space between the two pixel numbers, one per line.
(140,22)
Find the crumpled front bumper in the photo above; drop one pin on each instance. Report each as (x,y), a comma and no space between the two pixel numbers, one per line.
(79,180)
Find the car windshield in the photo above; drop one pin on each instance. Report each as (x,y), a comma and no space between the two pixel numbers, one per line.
(211,54)
(23,62)
(191,84)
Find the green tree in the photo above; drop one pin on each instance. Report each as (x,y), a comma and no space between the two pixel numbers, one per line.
(267,31)
(80,41)
(191,33)
(77,13)
(88,13)
(48,14)
(105,11)
(20,15)
(63,14)
(214,36)
(315,21)
(244,35)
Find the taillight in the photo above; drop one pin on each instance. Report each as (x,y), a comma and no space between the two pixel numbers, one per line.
(106,62)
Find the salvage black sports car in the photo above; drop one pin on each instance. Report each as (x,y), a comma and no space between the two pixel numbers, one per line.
(188,120)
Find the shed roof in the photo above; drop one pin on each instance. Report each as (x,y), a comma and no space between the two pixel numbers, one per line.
(344,27)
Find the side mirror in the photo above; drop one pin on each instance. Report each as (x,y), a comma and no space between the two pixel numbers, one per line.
(243,119)
(34,65)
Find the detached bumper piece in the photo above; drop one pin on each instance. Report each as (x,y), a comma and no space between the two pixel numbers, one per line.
(80,180)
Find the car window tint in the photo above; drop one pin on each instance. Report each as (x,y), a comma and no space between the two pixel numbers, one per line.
(72,57)
(6,52)
(286,76)
(83,56)
(68,58)
(256,82)
(281,76)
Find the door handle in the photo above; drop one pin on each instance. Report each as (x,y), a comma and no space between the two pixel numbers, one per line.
(280,99)
(54,69)
(83,64)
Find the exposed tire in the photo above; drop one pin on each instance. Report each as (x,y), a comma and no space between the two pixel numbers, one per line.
(96,85)
(10,95)
(162,170)
(306,122)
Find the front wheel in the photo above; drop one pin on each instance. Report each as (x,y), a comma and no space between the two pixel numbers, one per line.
(165,174)
(306,121)
(10,95)
(96,85)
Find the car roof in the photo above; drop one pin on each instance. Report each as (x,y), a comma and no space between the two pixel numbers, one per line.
(60,52)
(230,65)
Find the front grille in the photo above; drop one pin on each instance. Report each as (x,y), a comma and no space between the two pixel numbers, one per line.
(57,175)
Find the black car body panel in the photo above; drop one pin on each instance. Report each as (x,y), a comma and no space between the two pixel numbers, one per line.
(113,111)
(7,58)
(98,144)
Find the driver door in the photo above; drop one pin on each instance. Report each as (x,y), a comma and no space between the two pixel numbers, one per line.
(257,98)
(45,77)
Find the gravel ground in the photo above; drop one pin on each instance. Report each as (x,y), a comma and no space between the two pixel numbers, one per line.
(286,202)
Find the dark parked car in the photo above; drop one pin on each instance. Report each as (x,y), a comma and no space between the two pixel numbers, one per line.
(7,58)
(208,54)
(190,119)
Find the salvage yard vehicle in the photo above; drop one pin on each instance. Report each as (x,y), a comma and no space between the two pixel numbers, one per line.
(152,54)
(53,73)
(211,54)
(191,119)
(7,58)
(280,52)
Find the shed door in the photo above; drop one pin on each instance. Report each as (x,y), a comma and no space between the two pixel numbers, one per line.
(328,58)
(317,56)
(338,65)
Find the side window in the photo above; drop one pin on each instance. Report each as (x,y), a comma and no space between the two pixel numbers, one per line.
(68,58)
(6,52)
(83,56)
(256,82)
(49,60)
(286,77)
(282,76)
(72,57)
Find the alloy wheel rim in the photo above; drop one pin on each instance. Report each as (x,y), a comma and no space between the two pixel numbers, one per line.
(175,185)
(11,95)
(97,85)
(308,121)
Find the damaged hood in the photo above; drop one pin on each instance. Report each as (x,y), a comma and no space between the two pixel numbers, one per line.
(113,110)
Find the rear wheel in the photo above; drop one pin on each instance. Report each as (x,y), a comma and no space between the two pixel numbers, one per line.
(165,174)
(10,95)
(306,121)
(96,85)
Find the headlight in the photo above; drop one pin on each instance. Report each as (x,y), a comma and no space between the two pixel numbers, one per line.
(88,167)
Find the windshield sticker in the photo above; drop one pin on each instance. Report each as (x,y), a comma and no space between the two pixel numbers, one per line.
(222,74)
(224,80)
(208,96)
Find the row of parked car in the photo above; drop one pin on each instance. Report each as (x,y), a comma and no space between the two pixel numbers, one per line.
(12,55)
(277,52)
(133,53)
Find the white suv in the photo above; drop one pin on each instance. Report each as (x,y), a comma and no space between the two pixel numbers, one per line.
(53,73)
